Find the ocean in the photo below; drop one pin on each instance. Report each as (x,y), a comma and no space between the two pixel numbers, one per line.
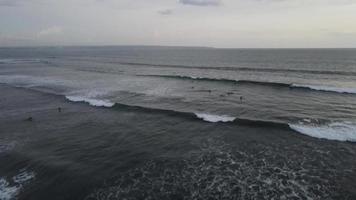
(141,122)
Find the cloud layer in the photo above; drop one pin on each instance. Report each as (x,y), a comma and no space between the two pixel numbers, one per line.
(218,23)
(54,30)
(201,2)
(165,12)
(8,2)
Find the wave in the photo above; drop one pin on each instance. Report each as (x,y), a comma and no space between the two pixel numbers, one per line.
(206,117)
(20,61)
(326,88)
(247,69)
(91,101)
(215,118)
(221,80)
(276,84)
(340,131)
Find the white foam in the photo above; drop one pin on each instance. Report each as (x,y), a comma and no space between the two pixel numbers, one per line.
(9,191)
(215,118)
(91,101)
(194,77)
(340,131)
(190,77)
(90,96)
(23,177)
(328,88)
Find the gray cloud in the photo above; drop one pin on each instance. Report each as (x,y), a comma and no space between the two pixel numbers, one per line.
(53,30)
(16,3)
(9,2)
(165,12)
(201,2)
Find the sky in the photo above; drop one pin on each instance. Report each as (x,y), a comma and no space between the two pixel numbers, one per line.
(208,23)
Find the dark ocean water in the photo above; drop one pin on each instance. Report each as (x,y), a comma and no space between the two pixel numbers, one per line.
(177,123)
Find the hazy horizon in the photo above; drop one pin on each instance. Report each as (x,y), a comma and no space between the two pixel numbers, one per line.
(182,23)
(169,46)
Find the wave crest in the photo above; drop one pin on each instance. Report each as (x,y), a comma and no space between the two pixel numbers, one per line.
(215,118)
(267,83)
(326,88)
(340,131)
(91,101)
(247,69)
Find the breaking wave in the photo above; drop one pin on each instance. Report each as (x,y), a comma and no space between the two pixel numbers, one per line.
(91,101)
(340,131)
(215,118)
(211,118)
(327,88)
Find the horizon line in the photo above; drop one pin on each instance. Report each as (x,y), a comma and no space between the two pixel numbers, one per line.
(170,46)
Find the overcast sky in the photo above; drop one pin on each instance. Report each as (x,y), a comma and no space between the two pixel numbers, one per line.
(215,23)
